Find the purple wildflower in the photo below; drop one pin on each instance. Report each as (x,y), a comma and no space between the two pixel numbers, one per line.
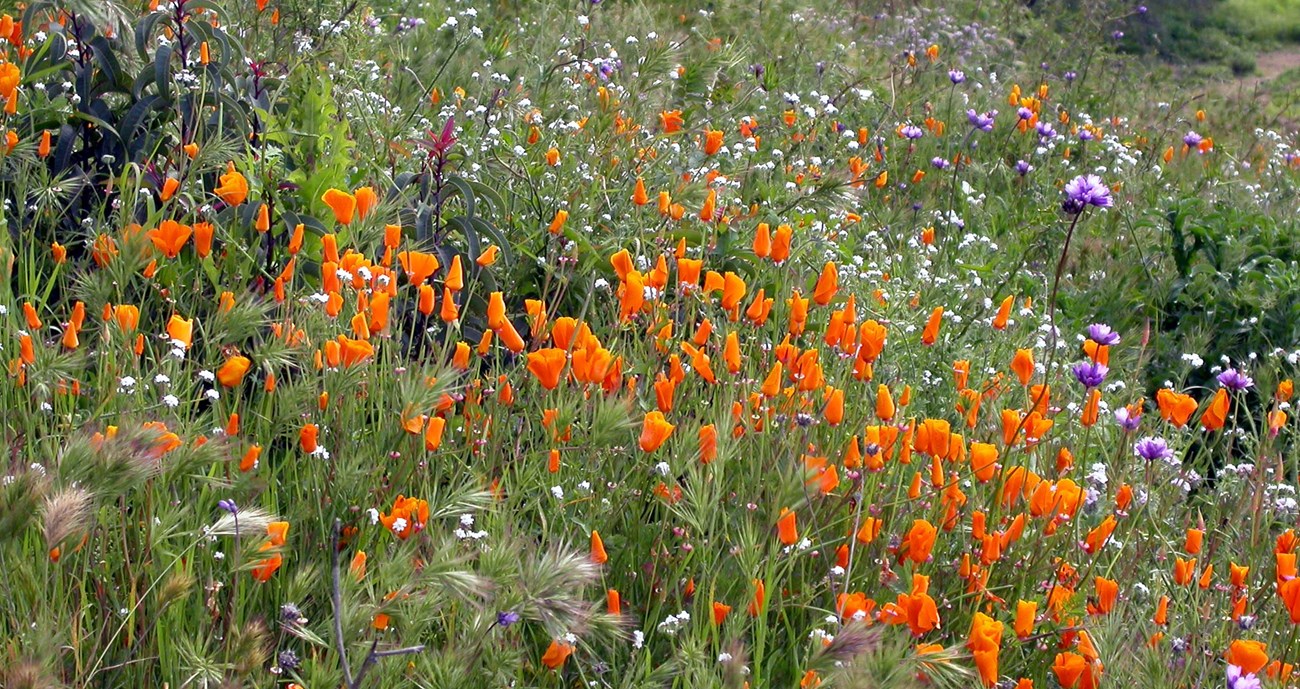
(1086,135)
(911,131)
(1117,35)
(956,76)
(1102,334)
(1235,380)
(1090,373)
(939,162)
(1045,129)
(228,506)
(1142,9)
(1024,113)
(1127,420)
(982,121)
(1237,679)
(1151,448)
(1192,139)
(507,618)
(1023,167)
(1071,76)
(1084,191)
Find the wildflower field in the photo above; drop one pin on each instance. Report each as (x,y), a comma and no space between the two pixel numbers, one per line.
(640,343)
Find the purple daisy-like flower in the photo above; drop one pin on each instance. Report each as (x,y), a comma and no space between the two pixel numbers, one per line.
(1090,373)
(911,131)
(1239,679)
(1151,448)
(939,162)
(1235,380)
(1086,135)
(981,121)
(1102,334)
(956,76)
(1084,191)
(1023,167)
(1071,76)
(1192,139)
(1045,129)
(1024,113)
(1127,420)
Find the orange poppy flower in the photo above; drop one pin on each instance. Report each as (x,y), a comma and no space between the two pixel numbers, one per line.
(598,554)
(556,655)
(1023,365)
(1175,407)
(547,365)
(181,330)
(1249,655)
(232,372)
(343,204)
(1217,412)
(984,642)
(655,430)
(419,266)
(170,237)
(233,189)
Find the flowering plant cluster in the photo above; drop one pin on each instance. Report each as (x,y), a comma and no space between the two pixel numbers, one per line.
(361,351)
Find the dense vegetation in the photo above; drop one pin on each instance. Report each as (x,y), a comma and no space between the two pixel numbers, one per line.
(474,343)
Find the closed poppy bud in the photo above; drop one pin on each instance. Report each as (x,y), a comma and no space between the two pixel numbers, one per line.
(639,195)
(460,360)
(43,148)
(720,612)
(1026,611)
(708,436)
(433,433)
(1023,365)
(613,602)
(488,257)
(655,430)
(885,409)
(449,311)
(249,461)
(557,222)
(1004,313)
(263,218)
(598,554)
(357,568)
(931,332)
(552,156)
(455,280)
(763,241)
(366,200)
(426,299)
(307,437)
(827,285)
(786,528)
(1192,542)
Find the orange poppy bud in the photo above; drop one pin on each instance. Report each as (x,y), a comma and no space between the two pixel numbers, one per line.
(598,554)
(557,223)
(786,529)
